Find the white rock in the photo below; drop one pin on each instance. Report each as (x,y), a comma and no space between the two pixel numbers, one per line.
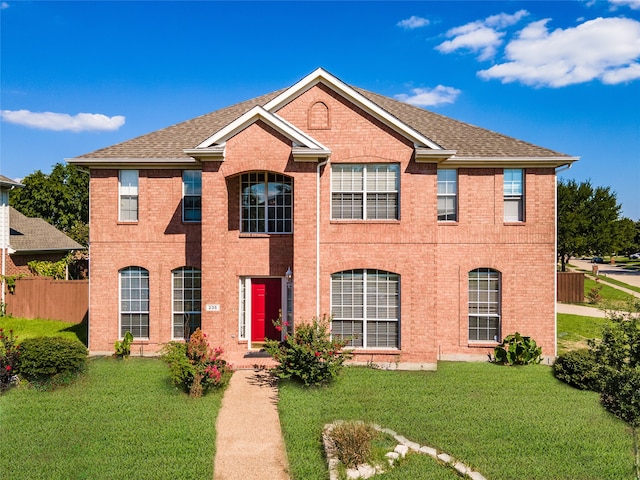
(366,471)
(476,476)
(393,455)
(444,457)
(353,473)
(461,467)
(429,451)
(413,446)
(402,450)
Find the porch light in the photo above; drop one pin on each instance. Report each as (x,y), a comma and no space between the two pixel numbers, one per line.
(289,275)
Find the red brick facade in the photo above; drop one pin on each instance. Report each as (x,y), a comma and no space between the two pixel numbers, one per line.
(433,259)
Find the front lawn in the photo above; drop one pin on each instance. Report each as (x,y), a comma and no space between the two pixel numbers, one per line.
(575,330)
(122,420)
(27,328)
(505,422)
(611,297)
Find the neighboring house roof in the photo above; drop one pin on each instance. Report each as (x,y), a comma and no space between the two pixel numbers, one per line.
(7,182)
(35,235)
(450,140)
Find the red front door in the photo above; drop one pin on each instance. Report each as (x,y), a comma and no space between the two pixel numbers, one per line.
(266,302)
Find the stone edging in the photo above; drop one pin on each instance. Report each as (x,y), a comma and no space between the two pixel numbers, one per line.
(400,451)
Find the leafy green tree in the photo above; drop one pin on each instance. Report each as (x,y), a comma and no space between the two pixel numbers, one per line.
(587,220)
(624,236)
(61,198)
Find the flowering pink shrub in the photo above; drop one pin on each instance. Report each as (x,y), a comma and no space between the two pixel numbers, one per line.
(194,366)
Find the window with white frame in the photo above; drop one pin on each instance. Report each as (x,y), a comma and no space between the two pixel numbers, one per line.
(267,203)
(513,195)
(447,195)
(128,185)
(192,196)
(484,305)
(187,301)
(365,308)
(364,191)
(134,302)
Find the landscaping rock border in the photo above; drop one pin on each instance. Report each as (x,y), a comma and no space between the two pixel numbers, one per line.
(400,451)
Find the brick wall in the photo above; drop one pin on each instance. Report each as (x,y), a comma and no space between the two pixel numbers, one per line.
(433,259)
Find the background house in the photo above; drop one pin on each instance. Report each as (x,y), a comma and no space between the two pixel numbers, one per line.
(424,237)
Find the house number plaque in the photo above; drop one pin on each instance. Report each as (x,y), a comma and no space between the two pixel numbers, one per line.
(212,307)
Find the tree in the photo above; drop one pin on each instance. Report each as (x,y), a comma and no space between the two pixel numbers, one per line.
(587,220)
(61,198)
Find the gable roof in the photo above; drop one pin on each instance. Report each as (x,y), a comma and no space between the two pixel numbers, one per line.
(35,235)
(6,182)
(433,135)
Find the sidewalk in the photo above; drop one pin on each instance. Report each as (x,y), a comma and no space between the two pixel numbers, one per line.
(249,443)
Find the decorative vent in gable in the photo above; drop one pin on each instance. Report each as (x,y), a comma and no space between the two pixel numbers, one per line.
(319,117)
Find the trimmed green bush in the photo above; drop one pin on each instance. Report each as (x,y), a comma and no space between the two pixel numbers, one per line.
(310,355)
(578,368)
(42,358)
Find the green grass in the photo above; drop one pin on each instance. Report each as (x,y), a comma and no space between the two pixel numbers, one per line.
(575,330)
(619,283)
(122,420)
(27,328)
(611,297)
(505,422)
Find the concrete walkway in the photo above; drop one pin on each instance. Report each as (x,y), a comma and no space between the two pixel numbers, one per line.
(249,443)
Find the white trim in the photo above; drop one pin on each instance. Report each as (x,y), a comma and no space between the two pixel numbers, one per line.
(303,145)
(322,76)
(506,162)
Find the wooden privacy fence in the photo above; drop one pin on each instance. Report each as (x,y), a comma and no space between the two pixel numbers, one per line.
(44,297)
(570,287)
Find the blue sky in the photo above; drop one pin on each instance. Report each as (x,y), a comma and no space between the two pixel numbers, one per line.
(78,76)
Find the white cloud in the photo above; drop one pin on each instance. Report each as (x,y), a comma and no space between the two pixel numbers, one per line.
(607,49)
(482,36)
(634,4)
(63,121)
(4,5)
(424,97)
(413,22)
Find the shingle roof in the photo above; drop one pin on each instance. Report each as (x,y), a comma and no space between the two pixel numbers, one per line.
(468,140)
(7,182)
(36,235)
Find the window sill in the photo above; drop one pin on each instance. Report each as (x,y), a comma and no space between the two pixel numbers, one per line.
(263,235)
(514,224)
(373,351)
(448,223)
(192,222)
(120,222)
(366,222)
(482,344)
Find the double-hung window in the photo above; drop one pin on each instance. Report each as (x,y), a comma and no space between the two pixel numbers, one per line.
(364,191)
(192,195)
(128,186)
(513,195)
(134,302)
(484,305)
(267,203)
(187,301)
(365,306)
(447,195)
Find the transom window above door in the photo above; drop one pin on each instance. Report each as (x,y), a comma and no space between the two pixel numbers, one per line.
(267,203)
(364,191)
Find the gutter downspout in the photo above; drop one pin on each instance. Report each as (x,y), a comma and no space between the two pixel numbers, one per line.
(555,261)
(319,166)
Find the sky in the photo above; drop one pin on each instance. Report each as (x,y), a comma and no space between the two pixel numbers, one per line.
(78,76)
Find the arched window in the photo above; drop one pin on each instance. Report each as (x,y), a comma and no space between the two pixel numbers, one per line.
(134,302)
(484,305)
(365,305)
(267,203)
(187,301)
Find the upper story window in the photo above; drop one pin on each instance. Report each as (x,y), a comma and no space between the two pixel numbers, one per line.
(192,196)
(128,186)
(364,191)
(365,306)
(513,195)
(447,195)
(134,302)
(267,203)
(484,305)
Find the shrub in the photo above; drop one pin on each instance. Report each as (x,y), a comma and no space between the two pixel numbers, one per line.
(309,355)
(9,357)
(123,348)
(193,366)
(517,350)
(351,442)
(578,368)
(45,360)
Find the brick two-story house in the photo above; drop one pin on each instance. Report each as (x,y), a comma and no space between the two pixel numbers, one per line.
(424,237)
